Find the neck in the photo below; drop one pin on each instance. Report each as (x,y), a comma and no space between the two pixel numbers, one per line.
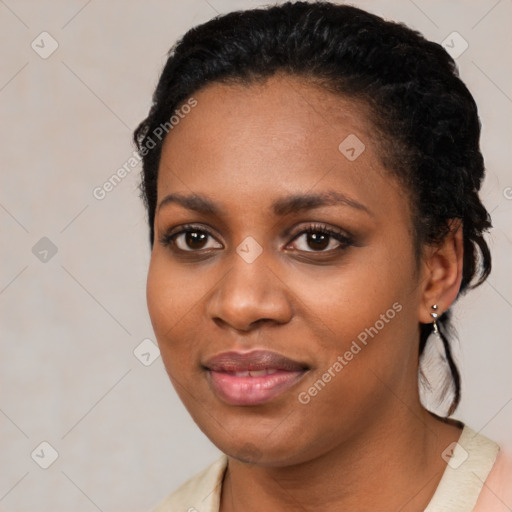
(394,466)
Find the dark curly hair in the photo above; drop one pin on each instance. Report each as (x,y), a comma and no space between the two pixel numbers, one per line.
(426,118)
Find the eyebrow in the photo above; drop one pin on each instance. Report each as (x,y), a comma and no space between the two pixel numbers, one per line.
(280,207)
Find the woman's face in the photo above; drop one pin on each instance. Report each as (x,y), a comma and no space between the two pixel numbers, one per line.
(283,344)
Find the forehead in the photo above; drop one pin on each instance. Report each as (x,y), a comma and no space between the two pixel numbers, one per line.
(283,112)
(251,143)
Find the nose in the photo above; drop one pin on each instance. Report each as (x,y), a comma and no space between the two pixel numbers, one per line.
(249,294)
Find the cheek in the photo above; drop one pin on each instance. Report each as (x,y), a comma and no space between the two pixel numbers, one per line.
(172,292)
(160,298)
(368,308)
(171,306)
(352,297)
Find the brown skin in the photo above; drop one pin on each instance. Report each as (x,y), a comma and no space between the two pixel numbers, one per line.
(364,442)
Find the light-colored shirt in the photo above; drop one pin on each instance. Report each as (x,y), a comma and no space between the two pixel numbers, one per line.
(477,478)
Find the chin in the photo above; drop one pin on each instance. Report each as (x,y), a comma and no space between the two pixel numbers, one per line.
(260,448)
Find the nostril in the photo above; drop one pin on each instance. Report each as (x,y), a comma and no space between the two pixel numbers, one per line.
(261,320)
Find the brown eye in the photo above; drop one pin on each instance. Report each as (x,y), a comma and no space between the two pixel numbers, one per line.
(321,239)
(317,241)
(195,239)
(191,239)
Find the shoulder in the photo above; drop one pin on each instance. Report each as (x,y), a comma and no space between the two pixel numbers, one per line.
(496,495)
(477,476)
(199,493)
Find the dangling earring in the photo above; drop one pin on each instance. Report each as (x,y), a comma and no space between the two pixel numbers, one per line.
(434,315)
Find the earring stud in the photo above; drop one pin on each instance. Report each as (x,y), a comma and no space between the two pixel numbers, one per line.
(434,316)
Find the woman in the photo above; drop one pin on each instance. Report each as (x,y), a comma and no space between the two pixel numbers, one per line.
(311,176)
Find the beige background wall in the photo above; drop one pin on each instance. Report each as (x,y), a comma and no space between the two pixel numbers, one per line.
(70,324)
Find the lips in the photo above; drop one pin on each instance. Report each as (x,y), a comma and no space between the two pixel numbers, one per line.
(252,378)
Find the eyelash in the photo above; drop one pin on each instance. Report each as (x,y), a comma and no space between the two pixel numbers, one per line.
(168,238)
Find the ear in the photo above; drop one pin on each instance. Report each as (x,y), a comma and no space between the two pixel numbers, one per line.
(442,273)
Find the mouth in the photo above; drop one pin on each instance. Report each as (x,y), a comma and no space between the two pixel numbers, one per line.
(252,378)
